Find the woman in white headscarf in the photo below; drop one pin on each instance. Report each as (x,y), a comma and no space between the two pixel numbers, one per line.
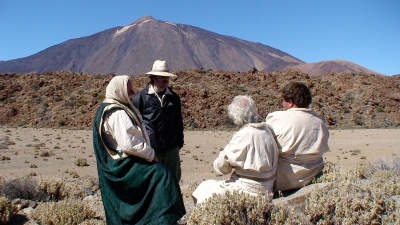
(252,153)
(135,188)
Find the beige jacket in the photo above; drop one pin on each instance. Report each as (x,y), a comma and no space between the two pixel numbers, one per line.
(252,152)
(302,138)
(253,155)
(121,134)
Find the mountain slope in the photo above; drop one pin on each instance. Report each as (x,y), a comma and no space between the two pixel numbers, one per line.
(132,50)
(330,66)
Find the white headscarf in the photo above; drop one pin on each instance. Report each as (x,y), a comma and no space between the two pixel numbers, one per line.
(117,90)
(117,93)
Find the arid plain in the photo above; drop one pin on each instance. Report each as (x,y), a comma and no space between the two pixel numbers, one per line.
(68,154)
(56,152)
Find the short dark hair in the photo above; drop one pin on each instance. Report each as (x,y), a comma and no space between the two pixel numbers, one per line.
(298,93)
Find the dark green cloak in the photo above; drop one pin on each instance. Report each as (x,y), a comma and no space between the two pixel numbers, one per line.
(133,190)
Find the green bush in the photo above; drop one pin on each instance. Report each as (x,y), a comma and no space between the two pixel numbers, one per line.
(66,212)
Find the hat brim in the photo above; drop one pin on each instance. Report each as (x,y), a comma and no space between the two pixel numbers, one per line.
(163,74)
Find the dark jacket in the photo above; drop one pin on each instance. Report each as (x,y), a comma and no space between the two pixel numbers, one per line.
(163,124)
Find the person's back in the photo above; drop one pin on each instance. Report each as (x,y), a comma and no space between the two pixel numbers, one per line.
(302,138)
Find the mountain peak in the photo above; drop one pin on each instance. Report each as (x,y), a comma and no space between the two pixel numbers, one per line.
(144,18)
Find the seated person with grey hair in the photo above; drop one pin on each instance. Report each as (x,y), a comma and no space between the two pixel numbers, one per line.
(252,153)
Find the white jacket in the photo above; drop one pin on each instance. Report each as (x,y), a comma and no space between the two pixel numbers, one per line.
(302,138)
(252,152)
(122,135)
(253,155)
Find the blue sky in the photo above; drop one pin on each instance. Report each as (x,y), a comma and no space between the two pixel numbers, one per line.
(366,32)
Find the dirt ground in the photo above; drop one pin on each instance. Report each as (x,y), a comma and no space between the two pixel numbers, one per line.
(54,152)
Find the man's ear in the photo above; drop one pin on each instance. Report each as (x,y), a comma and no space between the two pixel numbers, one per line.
(291,104)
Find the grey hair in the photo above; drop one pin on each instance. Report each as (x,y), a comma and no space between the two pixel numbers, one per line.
(242,110)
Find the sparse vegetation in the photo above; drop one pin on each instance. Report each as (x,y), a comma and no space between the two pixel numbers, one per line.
(233,208)
(81,162)
(343,99)
(372,106)
(61,122)
(63,212)
(7,210)
(41,189)
(59,189)
(23,188)
(361,196)
(366,196)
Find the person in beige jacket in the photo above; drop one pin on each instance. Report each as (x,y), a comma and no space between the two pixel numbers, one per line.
(302,138)
(252,155)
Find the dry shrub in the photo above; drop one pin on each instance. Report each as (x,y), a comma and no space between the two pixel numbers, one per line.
(2,182)
(93,222)
(284,214)
(188,189)
(66,212)
(81,162)
(329,174)
(354,202)
(60,189)
(23,188)
(369,169)
(42,189)
(232,208)
(366,195)
(7,210)
(45,153)
(90,183)
(362,196)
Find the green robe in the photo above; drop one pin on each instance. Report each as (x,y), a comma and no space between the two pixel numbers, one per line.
(133,190)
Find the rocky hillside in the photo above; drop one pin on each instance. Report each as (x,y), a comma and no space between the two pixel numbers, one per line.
(69,100)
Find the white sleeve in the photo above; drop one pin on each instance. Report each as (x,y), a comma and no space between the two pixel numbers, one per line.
(231,156)
(129,138)
(221,164)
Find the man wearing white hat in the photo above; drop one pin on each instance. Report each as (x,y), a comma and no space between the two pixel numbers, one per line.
(160,107)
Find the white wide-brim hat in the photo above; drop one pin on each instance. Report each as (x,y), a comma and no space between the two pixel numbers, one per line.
(160,68)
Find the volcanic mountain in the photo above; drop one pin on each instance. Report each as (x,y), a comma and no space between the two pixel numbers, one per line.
(132,50)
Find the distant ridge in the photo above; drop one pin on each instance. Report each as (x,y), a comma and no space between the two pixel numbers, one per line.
(132,50)
(331,66)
